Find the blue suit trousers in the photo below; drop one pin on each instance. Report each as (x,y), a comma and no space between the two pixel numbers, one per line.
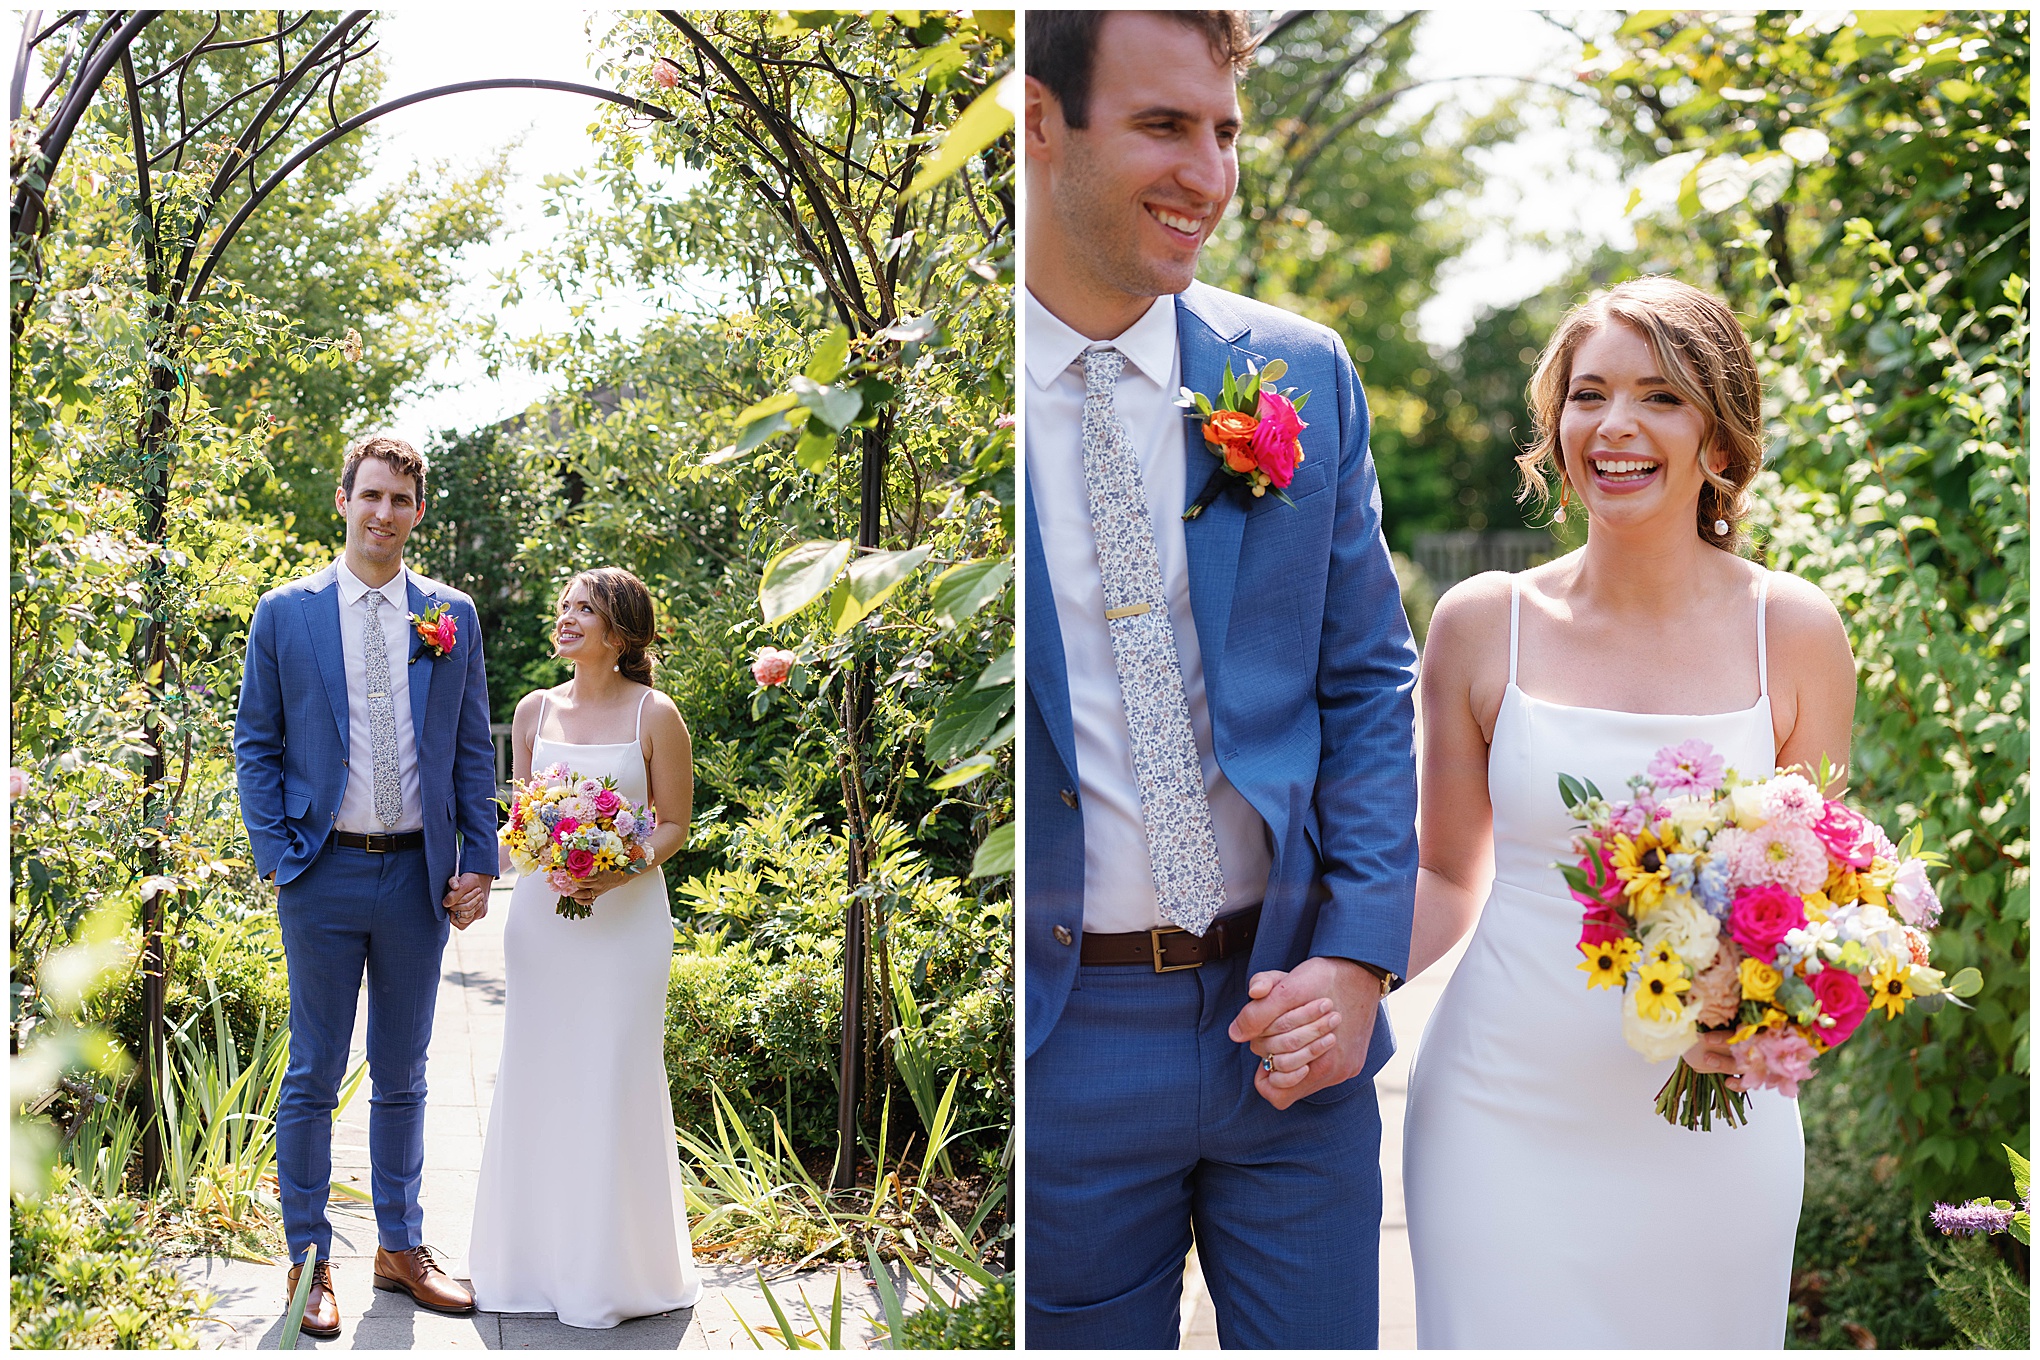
(352,910)
(1143,1125)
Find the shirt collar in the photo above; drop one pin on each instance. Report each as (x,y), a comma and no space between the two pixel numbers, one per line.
(352,587)
(1149,344)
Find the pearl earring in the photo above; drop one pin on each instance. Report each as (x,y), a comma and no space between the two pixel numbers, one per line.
(1558,515)
(1721,528)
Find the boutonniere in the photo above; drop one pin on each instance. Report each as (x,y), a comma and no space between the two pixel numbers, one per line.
(1252,430)
(437,629)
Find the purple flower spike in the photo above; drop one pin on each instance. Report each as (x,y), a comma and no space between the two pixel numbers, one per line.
(1977,1218)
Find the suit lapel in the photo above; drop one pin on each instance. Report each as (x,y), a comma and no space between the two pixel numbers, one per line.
(422,665)
(1048,679)
(1212,540)
(321,605)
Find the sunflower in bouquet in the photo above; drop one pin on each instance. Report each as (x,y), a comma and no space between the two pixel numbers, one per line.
(570,827)
(1761,908)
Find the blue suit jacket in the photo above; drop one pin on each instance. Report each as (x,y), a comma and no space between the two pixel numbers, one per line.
(290,732)
(1309,671)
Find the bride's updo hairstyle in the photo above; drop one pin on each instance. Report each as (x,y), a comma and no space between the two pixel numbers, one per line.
(625,607)
(1702,352)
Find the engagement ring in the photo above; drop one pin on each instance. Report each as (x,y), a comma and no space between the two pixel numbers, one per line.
(1267,1064)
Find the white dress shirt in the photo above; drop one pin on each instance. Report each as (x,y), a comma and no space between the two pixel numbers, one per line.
(1119,883)
(357,805)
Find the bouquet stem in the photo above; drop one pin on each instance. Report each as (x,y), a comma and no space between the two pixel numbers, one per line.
(1692,1099)
(577,911)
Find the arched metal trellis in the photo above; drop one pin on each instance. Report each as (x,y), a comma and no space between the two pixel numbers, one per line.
(92,47)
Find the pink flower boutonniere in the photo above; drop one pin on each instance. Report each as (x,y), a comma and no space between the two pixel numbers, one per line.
(437,629)
(1252,430)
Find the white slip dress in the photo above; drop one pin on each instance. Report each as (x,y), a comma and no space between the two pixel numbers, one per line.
(580,1210)
(1549,1205)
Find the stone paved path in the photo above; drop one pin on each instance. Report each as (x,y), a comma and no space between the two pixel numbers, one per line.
(1410,1008)
(467,1039)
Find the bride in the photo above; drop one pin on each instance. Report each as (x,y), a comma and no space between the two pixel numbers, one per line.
(1549,1205)
(579,1211)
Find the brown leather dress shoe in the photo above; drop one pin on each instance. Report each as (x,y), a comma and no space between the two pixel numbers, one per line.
(322,1310)
(417,1274)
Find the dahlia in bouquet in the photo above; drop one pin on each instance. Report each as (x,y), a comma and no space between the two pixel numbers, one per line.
(570,828)
(1759,907)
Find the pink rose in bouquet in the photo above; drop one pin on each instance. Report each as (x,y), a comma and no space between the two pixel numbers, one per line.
(1779,1059)
(1844,834)
(607,801)
(565,827)
(1917,903)
(1761,918)
(580,863)
(1842,999)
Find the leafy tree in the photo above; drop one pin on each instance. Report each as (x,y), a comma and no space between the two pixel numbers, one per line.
(1344,215)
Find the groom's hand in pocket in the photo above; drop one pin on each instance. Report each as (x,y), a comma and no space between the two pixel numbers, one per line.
(1310,1026)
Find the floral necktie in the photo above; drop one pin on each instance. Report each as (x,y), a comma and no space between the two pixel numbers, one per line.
(1182,845)
(382,715)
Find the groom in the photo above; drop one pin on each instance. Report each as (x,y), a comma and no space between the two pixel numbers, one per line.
(1221,849)
(366,776)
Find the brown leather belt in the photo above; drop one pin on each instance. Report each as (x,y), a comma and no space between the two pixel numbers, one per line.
(1171,949)
(380,842)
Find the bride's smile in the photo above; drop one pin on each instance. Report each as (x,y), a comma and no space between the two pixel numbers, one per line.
(1631,441)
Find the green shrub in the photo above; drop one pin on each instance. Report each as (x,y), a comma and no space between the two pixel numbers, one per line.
(983,1323)
(244,959)
(83,1276)
(1987,1303)
(764,1032)
(1860,1270)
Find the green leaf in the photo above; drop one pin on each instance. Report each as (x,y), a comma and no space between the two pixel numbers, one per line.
(815,449)
(796,577)
(966,721)
(967,587)
(757,433)
(836,406)
(785,401)
(830,355)
(964,772)
(1273,371)
(294,1316)
(872,578)
(2022,1170)
(995,856)
(1966,983)
(988,118)
(1000,672)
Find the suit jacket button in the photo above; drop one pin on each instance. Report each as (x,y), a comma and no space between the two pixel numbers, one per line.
(1069,796)
(1062,934)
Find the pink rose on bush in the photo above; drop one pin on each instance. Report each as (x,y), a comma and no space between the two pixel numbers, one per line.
(1777,1059)
(580,863)
(1844,834)
(773,665)
(665,74)
(565,827)
(606,802)
(1761,917)
(1275,447)
(17,782)
(1842,999)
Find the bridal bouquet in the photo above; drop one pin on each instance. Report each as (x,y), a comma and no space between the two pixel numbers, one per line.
(1757,907)
(570,828)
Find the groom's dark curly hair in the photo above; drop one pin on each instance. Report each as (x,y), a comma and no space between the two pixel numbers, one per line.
(1061,45)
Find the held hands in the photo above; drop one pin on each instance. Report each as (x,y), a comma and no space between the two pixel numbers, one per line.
(1311,1025)
(467,899)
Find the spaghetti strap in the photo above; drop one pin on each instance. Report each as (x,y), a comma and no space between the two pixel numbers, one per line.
(1515,606)
(639,737)
(538,732)
(1763,669)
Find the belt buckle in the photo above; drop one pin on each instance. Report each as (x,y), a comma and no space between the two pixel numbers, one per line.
(373,842)
(1155,934)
